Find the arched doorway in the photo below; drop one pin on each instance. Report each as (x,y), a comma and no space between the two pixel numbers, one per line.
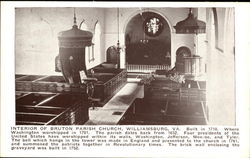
(112,55)
(148,42)
(181,53)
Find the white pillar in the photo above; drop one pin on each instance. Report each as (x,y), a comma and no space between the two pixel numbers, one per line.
(201,40)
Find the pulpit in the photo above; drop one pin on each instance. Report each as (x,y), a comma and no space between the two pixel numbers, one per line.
(58,100)
(192,65)
(189,66)
(72,45)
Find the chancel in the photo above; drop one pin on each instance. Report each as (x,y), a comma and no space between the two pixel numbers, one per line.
(124,66)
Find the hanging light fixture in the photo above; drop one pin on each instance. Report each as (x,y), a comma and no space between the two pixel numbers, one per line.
(118,42)
(144,40)
(190,25)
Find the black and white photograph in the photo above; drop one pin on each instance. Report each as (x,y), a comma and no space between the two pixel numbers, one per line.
(125,66)
(125,79)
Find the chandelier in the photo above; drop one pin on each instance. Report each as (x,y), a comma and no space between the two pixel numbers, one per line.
(118,42)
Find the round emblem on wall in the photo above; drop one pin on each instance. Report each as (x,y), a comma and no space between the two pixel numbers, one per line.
(153,26)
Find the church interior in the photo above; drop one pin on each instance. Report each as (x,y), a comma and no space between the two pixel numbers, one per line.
(125,66)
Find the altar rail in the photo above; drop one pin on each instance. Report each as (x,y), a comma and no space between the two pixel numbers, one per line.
(146,68)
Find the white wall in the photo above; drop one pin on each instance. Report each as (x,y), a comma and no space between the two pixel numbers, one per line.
(172,15)
(36,30)
(221,78)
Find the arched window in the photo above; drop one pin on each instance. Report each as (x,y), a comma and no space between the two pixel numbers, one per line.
(83,26)
(88,50)
(97,43)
